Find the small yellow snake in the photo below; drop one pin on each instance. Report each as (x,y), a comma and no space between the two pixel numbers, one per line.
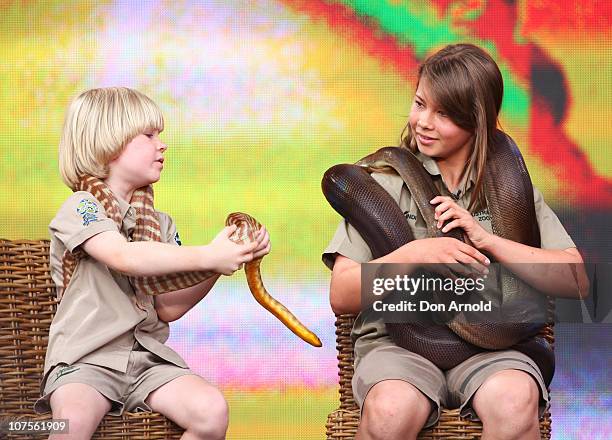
(246,231)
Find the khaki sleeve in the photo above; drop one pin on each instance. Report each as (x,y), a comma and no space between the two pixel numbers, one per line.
(347,241)
(168,229)
(552,233)
(80,218)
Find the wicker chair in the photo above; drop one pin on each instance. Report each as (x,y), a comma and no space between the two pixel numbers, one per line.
(27,306)
(342,423)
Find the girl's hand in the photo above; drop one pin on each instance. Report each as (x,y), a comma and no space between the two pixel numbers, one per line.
(448,210)
(264,245)
(442,251)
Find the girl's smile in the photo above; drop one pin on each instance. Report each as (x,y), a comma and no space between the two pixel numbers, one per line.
(425,140)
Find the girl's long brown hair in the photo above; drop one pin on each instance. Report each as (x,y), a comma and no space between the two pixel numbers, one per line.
(466,83)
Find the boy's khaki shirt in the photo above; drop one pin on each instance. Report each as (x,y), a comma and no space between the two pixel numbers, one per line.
(100,317)
(369,328)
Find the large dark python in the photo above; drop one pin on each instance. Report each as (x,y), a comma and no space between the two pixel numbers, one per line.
(355,195)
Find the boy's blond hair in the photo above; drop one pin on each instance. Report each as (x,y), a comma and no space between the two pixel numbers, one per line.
(99,124)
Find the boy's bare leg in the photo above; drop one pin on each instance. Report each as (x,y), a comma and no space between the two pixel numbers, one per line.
(195,405)
(83,406)
(507,404)
(393,409)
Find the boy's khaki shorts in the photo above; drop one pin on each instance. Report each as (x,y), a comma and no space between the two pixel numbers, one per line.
(126,391)
(452,389)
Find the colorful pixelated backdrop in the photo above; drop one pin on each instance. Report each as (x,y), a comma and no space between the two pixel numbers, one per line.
(260,98)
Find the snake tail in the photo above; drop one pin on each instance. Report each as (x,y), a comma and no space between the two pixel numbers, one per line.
(285,316)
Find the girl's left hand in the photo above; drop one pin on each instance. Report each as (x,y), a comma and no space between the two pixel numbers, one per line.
(264,245)
(448,209)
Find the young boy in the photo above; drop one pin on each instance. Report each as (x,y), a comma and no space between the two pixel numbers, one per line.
(110,251)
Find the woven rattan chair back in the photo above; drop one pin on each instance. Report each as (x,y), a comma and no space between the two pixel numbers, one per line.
(27,306)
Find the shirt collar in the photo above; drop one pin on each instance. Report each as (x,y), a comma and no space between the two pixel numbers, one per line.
(432,168)
(124,207)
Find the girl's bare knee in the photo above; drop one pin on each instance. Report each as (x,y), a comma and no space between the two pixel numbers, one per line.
(393,408)
(508,396)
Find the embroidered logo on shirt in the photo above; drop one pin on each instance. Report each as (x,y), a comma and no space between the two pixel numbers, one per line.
(483,215)
(88,210)
(64,371)
(409,216)
(177,239)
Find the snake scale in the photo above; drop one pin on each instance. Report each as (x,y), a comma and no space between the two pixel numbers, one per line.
(356,196)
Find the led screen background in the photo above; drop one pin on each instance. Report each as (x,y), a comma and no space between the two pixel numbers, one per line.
(260,98)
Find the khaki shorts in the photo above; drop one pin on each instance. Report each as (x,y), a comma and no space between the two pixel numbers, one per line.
(126,391)
(451,389)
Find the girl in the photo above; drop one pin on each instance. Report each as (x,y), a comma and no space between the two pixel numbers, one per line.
(453,116)
(110,251)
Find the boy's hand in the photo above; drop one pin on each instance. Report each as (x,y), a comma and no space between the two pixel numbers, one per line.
(228,256)
(263,243)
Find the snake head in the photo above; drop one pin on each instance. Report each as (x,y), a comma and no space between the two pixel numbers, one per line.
(380,158)
(246,227)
